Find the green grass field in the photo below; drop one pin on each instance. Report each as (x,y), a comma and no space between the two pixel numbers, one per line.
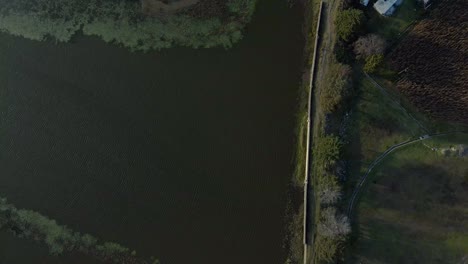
(415,207)
(378,122)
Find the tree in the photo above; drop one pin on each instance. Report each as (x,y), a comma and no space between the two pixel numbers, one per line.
(332,230)
(327,151)
(348,23)
(325,249)
(372,62)
(339,82)
(368,45)
(329,195)
(333,225)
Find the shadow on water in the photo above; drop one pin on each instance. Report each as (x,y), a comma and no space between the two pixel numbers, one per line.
(181,154)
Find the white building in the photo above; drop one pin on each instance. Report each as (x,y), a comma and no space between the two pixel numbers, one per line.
(426,3)
(386,7)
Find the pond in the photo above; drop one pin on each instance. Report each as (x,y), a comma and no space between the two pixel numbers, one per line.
(181,154)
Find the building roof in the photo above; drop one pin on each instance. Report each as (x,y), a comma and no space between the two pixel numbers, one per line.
(364,2)
(382,6)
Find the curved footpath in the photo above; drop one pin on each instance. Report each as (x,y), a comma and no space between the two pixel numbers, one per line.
(382,156)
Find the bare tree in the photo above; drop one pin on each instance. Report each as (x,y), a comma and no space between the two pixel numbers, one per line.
(369,45)
(329,195)
(333,225)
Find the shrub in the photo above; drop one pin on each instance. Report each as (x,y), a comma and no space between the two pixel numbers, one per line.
(348,23)
(333,225)
(328,190)
(372,62)
(369,45)
(338,81)
(325,249)
(327,151)
(332,230)
(343,52)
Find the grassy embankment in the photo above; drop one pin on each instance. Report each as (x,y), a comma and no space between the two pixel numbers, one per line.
(126,23)
(402,205)
(296,250)
(310,24)
(332,88)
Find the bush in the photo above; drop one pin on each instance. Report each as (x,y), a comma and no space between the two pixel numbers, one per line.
(327,151)
(338,81)
(369,45)
(372,62)
(348,23)
(343,52)
(333,225)
(328,189)
(332,230)
(325,249)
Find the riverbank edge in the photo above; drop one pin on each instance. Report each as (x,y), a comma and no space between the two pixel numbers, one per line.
(296,223)
(324,186)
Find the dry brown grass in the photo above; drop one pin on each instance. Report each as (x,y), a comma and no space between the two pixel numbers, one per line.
(433,59)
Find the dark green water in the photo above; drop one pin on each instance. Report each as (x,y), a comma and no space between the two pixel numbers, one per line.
(182,154)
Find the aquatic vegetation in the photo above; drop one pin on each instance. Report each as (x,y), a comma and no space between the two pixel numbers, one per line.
(122,22)
(32,225)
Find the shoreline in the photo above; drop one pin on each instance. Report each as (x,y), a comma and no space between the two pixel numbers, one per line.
(298,221)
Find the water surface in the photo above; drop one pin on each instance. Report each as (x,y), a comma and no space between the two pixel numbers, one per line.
(182,154)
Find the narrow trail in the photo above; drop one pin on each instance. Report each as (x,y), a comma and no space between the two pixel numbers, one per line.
(379,159)
(323,38)
(309,197)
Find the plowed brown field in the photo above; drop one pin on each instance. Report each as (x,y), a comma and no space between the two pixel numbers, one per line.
(433,59)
